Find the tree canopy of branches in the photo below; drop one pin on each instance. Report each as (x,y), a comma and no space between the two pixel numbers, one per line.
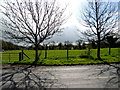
(32,22)
(100,18)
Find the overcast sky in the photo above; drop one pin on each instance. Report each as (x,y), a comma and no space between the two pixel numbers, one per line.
(70,33)
(70,27)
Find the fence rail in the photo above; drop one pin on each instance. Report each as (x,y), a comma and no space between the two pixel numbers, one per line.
(13,56)
(9,53)
(9,56)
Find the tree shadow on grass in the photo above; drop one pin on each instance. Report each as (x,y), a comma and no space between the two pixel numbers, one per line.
(26,79)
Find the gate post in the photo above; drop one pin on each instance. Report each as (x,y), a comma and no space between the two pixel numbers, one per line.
(22,55)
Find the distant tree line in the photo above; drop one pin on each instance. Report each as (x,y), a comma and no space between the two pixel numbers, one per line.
(79,45)
(109,41)
(60,46)
(10,46)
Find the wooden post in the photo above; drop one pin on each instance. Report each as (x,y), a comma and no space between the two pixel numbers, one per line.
(46,52)
(67,54)
(22,55)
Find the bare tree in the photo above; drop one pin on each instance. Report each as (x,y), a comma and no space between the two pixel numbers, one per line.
(32,22)
(79,42)
(100,18)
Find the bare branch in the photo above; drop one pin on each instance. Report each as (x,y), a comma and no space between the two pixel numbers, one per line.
(99,19)
(32,21)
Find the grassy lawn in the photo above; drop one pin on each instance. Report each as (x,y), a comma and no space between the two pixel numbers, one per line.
(58,57)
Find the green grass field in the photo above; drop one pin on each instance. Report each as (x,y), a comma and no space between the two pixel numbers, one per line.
(58,57)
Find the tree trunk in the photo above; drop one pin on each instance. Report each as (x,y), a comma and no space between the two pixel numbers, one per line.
(79,46)
(109,49)
(89,50)
(46,52)
(36,55)
(98,52)
(98,48)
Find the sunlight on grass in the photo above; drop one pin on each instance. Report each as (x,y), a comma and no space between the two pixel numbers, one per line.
(58,57)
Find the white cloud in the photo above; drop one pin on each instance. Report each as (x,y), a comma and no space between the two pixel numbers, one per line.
(72,11)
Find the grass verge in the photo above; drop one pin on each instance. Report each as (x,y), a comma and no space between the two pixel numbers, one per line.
(58,57)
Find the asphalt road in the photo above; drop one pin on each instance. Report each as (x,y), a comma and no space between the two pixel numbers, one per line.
(71,76)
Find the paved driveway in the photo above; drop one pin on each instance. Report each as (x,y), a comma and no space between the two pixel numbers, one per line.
(71,76)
